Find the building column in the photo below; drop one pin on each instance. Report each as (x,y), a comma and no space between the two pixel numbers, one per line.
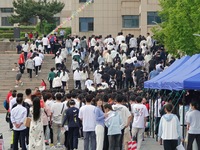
(143,17)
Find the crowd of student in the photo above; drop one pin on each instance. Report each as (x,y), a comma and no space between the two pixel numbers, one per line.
(101,107)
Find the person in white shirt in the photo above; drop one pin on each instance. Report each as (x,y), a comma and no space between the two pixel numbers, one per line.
(140,114)
(87,115)
(104,84)
(84,76)
(57,83)
(57,110)
(88,83)
(77,78)
(25,48)
(45,43)
(58,61)
(93,42)
(13,100)
(170,129)
(123,47)
(38,63)
(119,38)
(18,116)
(64,78)
(97,77)
(133,43)
(126,117)
(149,41)
(74,64)
(33,46)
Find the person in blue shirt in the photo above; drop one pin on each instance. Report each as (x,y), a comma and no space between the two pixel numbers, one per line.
(100,123)
(153,73)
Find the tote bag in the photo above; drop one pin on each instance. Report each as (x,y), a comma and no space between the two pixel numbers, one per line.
(180,147)
(132,145)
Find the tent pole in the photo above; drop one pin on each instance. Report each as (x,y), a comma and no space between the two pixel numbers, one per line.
(183,125)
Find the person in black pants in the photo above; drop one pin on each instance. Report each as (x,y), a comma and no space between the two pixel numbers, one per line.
(73,123)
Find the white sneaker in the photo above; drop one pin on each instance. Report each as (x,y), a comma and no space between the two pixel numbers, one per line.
(36,75)
(39,71)
(16,86)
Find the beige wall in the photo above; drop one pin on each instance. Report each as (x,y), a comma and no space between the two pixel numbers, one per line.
(108,16)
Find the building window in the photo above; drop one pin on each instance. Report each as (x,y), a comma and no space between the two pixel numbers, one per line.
(130,21)
(7,10)
(86,24)
(83,1)
(5,21)
(153,18)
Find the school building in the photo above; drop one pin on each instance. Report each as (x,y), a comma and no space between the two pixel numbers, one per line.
(101,17)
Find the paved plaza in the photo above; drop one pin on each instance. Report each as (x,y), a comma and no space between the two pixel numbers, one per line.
(148,144)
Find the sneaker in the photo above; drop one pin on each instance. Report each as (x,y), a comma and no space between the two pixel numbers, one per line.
(16,86)
(22,83)
(36,75)
(39,71)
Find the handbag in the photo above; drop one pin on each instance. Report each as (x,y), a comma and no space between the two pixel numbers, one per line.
(180,147)
(27,122)
(132,145)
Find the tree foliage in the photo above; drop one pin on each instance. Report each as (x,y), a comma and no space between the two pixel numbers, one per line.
(26,9)
(181,19)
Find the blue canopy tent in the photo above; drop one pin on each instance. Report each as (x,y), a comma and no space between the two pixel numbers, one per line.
(153,82)
(192,82)
(175,80)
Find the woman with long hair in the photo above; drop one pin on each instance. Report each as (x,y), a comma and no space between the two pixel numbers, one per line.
(36,134)
(100,123)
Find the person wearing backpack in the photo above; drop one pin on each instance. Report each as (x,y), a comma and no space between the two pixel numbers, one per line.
(73,124)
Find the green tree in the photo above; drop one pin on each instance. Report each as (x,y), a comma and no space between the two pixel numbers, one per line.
(181,20)
(43,10)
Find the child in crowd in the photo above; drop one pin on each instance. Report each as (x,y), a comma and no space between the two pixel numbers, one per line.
(18,79)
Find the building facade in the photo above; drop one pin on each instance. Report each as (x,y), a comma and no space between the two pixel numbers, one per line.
(103,17)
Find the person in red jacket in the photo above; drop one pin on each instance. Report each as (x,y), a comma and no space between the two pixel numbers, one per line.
(21,62)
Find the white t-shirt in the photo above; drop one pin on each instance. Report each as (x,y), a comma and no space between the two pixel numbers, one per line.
(139,112)
(25,47)
(57,109)
(133,42)
(194,121)
(87,114)
(37,60)
(158,105)
(88,83)
(45,41)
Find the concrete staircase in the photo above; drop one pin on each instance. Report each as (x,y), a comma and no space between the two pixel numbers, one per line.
(7,76)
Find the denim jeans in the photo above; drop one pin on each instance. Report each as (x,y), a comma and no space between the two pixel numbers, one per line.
(89,140)
(114,142)
(69,50)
